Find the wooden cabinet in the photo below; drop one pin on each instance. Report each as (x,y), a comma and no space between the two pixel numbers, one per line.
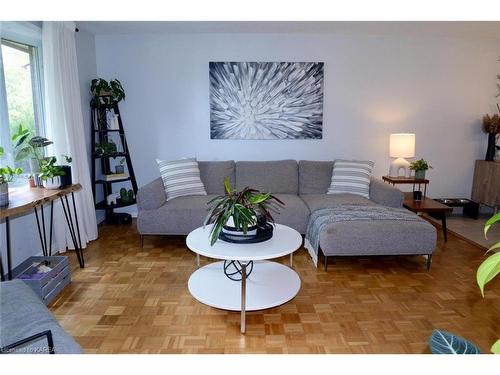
(486,185)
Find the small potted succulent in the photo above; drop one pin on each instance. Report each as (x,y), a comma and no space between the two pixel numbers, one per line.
(7,174)
(50,173)
(420,166)
(243,212)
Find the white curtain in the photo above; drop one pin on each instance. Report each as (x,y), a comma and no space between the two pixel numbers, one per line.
(64,122)
(4,117)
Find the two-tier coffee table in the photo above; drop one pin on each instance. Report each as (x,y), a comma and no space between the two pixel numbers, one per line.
(267,285)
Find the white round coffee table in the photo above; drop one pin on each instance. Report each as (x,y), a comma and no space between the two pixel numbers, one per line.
(268,285)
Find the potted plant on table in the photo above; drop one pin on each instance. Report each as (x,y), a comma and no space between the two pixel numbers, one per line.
(245,211)
(420,166)
(7,174)
(29,146)
(50,173)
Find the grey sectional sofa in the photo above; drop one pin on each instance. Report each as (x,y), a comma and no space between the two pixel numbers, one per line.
(22,315)
(302,186)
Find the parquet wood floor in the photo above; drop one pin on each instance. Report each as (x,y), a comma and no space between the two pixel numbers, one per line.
(133,300)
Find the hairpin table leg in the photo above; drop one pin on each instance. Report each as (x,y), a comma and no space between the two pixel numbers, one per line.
(77,243)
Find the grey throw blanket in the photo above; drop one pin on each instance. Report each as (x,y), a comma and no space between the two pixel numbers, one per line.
(348,212)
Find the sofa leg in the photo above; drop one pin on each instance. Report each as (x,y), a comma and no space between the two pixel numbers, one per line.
(429,261)
(326,263)
(142,241)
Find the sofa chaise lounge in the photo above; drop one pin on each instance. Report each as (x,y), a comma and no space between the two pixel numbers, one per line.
(302,187)
(27,326)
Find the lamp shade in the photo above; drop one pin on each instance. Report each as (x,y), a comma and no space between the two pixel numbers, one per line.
(402,145)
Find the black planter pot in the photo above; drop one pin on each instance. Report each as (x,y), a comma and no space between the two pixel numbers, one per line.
(66,179)
(490,152)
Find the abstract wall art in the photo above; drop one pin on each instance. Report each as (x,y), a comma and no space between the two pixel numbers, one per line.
(266,100)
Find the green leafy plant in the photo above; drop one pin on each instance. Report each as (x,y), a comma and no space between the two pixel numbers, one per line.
(106,149)
(443,342)
(420,165)
(490,268)
(48,169)
(7,173)
(27,145)
(106,93)
(244,207)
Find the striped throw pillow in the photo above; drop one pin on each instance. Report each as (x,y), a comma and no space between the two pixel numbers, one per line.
(351,177)
(181,178)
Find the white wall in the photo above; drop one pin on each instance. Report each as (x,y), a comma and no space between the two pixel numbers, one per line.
(374,85)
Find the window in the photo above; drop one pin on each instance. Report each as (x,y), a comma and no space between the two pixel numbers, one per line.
(21,78)
(20,88)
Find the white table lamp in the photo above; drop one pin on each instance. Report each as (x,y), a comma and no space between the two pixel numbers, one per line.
(401,146)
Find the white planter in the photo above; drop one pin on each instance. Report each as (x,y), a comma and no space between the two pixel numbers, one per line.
(52,183)
(232,230)
(4,194)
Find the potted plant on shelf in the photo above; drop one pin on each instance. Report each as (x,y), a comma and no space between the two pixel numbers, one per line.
(106,149)
(244,212)
(106,93)
(29,146)
(50,173)
(491,126)
(7,174)
(420,166)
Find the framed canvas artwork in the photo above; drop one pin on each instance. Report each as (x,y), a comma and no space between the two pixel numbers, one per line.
(266,100)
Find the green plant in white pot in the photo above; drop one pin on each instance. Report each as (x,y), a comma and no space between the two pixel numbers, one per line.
(7,174)
(240,211)
(420,166)
(50,173)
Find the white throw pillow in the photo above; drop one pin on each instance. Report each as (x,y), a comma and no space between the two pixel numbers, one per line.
(181,178)
(351,177)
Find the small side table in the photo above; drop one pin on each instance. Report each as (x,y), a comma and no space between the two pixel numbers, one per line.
(407,180)
(429,206)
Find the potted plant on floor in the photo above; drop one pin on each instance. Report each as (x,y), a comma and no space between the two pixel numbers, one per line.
(50,173)
(442,342)
(242,213)
(420,166)
(7,174)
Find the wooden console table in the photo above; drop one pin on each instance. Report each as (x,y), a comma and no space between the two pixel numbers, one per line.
(486,185)
(25,200)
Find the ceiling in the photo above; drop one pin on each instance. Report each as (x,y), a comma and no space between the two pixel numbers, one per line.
(426,28)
